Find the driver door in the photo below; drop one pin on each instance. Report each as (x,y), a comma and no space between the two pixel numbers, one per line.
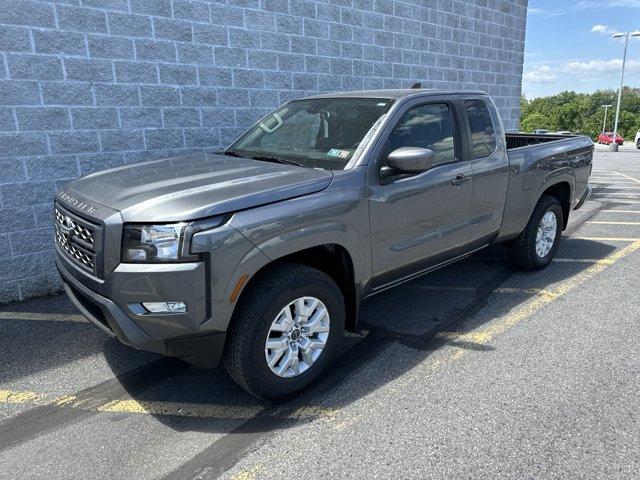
(418,221)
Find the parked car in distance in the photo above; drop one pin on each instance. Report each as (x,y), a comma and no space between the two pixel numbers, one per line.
(259,256)
(563,132)
(541,131)
(638,140)
(606,138)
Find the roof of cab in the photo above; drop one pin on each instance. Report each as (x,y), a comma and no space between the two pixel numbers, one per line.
(396,94)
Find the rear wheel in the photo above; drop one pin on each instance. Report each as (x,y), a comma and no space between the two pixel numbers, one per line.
(638,144)
(537,244)
(286,331)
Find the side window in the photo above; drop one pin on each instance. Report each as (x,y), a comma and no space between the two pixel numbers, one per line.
(427,126)
(483,134)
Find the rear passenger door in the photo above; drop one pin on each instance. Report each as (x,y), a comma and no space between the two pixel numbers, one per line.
(489,165)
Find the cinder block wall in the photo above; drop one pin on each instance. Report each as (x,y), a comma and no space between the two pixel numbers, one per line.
(91,84)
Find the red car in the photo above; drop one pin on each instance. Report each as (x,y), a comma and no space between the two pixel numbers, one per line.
(607,138)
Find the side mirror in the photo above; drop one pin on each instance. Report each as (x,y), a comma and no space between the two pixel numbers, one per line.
(411,159)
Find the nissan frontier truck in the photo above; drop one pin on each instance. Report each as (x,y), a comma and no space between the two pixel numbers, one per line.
(259,256)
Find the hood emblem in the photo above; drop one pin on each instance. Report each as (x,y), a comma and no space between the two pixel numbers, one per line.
(75,203)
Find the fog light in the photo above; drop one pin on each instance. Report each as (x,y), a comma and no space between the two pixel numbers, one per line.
(165,307)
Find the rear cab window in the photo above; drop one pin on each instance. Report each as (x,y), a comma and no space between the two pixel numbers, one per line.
(483,135)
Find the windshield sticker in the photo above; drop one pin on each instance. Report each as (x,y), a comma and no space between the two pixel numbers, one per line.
(336,152)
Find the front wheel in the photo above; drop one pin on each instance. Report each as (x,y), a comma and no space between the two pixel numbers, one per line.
(638,144)
(537,244)
(287,329)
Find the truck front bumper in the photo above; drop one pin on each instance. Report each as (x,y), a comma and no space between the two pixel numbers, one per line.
(113,308)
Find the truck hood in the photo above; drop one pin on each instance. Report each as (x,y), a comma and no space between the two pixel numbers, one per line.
(195,186)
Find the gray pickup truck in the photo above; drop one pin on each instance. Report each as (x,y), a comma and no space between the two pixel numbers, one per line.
(260,255)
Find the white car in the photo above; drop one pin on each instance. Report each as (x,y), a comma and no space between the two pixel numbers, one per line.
(638,140)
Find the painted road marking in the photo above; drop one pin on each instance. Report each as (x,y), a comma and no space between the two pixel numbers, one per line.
(484,335)
(49,317)
(612,181)
(620,211)
(606,239)
(555,260)
(178,409)
(599,222)
(534,291)
(626,176)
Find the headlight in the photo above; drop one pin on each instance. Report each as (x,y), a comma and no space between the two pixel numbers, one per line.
(154,243)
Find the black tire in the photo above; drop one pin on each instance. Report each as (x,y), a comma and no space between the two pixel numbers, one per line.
(638,144)
(522,250)
(244,356)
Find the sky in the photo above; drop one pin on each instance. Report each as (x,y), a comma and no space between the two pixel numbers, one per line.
(569,46)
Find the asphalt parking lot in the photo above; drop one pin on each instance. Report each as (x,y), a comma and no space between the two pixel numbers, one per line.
(474,371)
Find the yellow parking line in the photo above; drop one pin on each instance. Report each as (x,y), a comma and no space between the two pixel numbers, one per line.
(42,317)
(600,222)
(17,398)
(606,239)
(626,176)
(484,335)
(620,211)
(151,407)
(180,409)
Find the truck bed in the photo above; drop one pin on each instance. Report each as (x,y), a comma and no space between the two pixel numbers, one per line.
(519,140)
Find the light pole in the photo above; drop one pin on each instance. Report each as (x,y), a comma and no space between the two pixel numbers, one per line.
(613,146)
(604,123)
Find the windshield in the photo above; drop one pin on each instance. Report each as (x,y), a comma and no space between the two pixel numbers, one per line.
(322,132)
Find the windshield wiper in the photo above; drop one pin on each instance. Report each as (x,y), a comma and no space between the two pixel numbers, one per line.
(231,153)
(277,160)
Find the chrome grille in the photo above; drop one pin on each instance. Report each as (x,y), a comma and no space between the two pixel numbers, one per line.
(76,238)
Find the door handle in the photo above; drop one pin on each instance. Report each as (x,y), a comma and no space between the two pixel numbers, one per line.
(460,180)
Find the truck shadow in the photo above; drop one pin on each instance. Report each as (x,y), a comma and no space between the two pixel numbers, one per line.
(49,332)
(409,317)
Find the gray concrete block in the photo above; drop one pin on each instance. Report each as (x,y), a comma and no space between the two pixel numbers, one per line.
(155,50)
(164,138)
(121,140)
(28,193)
(172,29)
(88,70)
(181,117)
(94,118)
(27,12)
(42,118)
(136,72)
(74,142)
(56,41)
(130,25)
(159,96)
(51,167)
(23,144)
(67,93)
(178,74)
(36,67)
(14,39)
(102,46)
(81,19)
(116,95)
(140,117)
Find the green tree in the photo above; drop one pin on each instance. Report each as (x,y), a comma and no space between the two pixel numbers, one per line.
(582,112)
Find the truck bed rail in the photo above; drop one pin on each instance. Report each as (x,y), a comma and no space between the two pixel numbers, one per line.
(519,140)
